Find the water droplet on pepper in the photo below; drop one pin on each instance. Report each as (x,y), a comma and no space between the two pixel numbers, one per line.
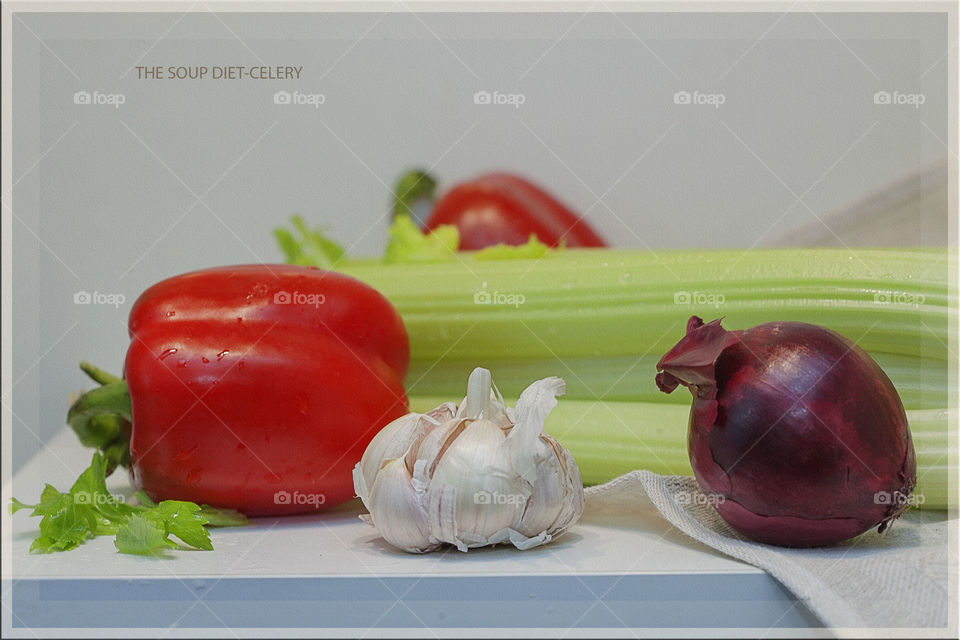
(302,403)
(186,453)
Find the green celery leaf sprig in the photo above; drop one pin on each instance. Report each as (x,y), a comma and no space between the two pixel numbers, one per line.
(408,242)
(533,249)
(69,518)
(313,248)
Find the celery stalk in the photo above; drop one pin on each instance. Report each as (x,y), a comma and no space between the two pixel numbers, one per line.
(601,318)
(605,302)
(921,383)
(608,439)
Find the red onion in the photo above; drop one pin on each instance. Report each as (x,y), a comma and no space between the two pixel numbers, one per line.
(798,436)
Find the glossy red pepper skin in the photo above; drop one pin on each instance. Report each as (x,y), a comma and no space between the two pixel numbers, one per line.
(503,208)
(248,393)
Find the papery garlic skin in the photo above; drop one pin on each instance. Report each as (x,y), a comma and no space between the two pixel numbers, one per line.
(393,441)
(472,475)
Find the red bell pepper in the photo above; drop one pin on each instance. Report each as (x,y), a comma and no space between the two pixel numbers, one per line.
(256,387)
(497,208)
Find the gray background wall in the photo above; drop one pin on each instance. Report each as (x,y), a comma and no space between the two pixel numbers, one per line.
(189,174)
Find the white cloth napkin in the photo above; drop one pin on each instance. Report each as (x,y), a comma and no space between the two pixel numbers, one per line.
(894,580)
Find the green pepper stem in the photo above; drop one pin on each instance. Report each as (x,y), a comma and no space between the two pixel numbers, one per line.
(111,398)
(413,188)
(97,374)
(101,417)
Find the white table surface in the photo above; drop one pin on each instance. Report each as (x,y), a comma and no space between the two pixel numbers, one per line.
(331,571)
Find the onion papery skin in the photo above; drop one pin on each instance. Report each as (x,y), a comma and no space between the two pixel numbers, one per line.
(796,434)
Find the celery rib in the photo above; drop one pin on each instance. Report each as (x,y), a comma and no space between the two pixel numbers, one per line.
(608,303)
(608,439)
(921,384)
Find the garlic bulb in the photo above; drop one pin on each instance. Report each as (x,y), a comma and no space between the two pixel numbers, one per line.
(474,475)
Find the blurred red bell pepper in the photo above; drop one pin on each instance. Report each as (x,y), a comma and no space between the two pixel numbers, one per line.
(496,208)
(255,387)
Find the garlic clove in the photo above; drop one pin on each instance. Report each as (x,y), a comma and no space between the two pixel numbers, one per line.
(557,500)
(429,449)
(544,506)
(391,442)
(397,512)
(473,491)
(572,502)
(396,439)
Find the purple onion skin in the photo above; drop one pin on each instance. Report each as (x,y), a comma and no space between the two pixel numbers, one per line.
(796,431)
